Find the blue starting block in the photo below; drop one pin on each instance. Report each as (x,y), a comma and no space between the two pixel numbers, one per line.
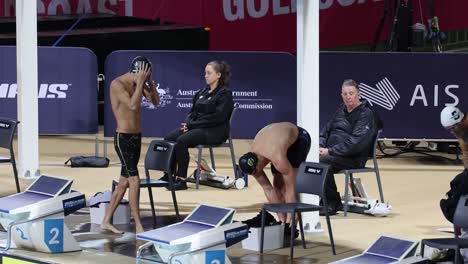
(384,250)
(202,237)
(34,219)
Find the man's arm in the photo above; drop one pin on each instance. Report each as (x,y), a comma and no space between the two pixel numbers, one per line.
(326,130)
(151,93)
(284,167)
(132,102)
(324,135)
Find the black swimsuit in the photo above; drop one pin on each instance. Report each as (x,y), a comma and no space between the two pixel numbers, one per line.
(297,152)
(128,148)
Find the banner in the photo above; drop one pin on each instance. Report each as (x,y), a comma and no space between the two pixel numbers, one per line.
(263,86)
(67,89)
(261,25)
(408,90)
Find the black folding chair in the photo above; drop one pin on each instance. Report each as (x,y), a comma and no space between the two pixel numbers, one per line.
(158,157)
(460,220)
(350,172)
(227,144)
(7,132)
(310,178)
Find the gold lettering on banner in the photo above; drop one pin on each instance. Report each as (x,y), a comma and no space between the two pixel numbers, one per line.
(238,9)
(75,7)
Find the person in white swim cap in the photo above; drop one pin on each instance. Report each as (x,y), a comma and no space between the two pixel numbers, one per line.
(454,120)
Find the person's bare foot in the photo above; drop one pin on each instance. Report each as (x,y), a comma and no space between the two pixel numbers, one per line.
(139,229)
(109,227)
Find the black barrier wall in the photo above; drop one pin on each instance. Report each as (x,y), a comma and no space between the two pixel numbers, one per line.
(67,89)
(408,90)
(263,86)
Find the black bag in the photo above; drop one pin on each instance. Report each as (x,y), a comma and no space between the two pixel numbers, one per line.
(92,161)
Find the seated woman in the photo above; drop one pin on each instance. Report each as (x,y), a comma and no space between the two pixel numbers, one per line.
(208,120)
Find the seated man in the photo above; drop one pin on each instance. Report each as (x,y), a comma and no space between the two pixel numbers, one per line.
(346,139)
(286,146)
(455,121)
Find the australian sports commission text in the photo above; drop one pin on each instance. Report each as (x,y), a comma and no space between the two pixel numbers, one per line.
(238,105)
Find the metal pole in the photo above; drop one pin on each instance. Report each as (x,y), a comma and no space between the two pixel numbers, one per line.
(26,74)
(308,90)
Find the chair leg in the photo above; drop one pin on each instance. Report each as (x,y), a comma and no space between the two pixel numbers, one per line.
(301,228)
(150,193)
(458,257)
(174,200)
(262,231)
(379,183)
(346,194)
(422,248)
(233,159)
(15,172)
(197,175)
(293,229)
(212,159)
(330,233)
(113,189)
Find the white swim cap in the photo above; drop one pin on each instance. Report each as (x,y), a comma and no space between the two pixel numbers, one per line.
(450,116)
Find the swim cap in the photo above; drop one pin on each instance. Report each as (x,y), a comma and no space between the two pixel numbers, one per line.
(248,162)
(450,116)
(137,63)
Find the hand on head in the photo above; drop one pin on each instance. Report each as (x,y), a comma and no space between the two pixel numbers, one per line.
(143,73)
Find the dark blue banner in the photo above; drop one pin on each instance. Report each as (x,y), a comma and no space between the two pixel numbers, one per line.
(408,90)
(67,89)
(263,86)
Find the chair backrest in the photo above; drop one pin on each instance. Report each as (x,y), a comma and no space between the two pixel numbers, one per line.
(7,132)
(311,177)
(460,217)
(230,120)
(232,115)
(373,151)
(159,156)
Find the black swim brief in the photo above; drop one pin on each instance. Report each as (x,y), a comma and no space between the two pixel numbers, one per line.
(128,148)
(297,152)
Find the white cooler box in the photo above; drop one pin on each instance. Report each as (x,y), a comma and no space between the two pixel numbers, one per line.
(98,206)
(274,236)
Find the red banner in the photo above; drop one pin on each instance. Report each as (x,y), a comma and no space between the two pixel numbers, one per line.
(260,25)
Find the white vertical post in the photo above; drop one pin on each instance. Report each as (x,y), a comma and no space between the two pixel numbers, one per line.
(26,60)
(308,90)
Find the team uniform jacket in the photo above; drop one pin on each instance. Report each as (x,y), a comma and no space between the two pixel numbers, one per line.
(350,134)
(212,112)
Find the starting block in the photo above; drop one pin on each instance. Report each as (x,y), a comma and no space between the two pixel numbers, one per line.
(359,202)
(209,177)
(384,250)
(202,237)
(34,219)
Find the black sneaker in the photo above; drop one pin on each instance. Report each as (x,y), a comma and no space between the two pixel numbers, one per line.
(287,232)
(165,177)
(332,208)
(178,185)
(257,220)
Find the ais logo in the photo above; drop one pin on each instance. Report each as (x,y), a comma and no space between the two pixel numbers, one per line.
(54,90)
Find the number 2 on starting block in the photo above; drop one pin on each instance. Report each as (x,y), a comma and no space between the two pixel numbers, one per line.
(53,234)
(215,257)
